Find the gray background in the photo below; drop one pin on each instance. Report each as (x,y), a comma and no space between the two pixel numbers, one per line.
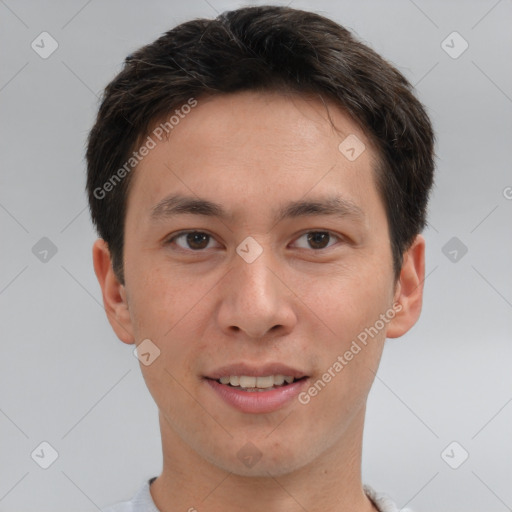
(67,380)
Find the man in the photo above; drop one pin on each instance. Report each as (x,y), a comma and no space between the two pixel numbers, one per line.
(259,183)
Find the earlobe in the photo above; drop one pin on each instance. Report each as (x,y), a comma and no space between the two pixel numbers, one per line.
(114,293)
(409,290)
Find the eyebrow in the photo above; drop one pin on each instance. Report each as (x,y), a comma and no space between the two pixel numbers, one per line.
(178,204)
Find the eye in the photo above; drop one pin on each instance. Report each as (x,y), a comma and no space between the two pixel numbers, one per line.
(318,239)
(195,240)
(199,240)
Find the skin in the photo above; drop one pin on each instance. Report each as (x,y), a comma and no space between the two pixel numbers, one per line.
(297,303)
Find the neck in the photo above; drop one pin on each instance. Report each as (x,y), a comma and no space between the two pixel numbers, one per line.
(330,483)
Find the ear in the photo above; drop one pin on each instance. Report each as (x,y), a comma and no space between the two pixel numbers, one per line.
(114,293)
(409,289)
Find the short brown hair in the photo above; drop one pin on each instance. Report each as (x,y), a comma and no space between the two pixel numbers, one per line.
(266,48)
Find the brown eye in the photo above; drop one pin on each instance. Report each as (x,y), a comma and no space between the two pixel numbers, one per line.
(318,239)
(195,240)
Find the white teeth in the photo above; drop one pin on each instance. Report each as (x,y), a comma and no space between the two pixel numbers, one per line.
(266,382)
(247,382)
(278,380)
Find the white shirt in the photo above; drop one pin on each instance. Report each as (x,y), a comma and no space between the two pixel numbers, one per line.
(143,502)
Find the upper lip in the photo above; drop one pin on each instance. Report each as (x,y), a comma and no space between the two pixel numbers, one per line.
(262,370)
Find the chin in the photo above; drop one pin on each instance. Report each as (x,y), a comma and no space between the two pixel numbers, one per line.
(270,460)
(262,469)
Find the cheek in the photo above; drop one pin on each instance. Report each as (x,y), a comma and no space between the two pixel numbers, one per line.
(159,302)
(350,357)
(347,304)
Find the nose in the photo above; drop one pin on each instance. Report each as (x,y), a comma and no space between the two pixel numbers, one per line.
(257,300)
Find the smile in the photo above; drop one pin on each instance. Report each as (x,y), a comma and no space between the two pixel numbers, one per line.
(251,395)
(251,384)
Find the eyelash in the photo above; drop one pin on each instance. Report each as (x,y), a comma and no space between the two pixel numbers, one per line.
(184,233)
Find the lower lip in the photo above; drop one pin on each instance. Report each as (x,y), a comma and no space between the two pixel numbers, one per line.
(258,401)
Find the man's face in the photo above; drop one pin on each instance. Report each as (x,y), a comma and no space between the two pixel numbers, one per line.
(296,294)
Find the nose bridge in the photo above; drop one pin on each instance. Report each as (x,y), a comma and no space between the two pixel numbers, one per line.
(253,272)
(255,300)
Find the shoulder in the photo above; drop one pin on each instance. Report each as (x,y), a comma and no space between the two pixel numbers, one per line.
(383,501)
(141,502)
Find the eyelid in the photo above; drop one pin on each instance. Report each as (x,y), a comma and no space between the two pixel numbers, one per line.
(171,239)
(320,230)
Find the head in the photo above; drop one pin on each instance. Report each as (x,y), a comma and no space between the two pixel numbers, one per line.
(275,124)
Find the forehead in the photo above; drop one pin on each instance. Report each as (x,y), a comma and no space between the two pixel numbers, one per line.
(257,146)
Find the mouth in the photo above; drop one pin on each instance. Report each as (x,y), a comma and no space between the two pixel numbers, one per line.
(260,384)
(256,389)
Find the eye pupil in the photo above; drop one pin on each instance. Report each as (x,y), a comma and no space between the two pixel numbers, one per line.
(196,237)
(318,237)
